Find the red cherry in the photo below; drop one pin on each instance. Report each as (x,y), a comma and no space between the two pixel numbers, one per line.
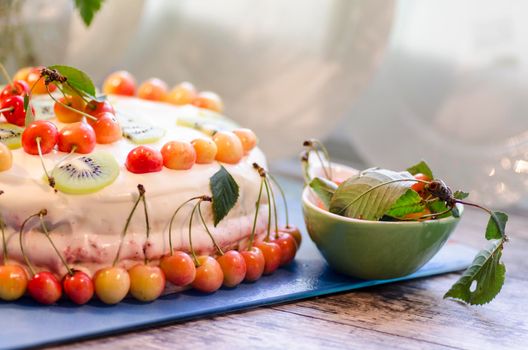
(294,231)
(143,159)
(44,130)
(79,135)
(179,268)
(234,268)
(44,288)
(288,246)
(209,275)
(13,110)
(95,107)
(255,263)
(19,88)
(419,186)
(107,129)
(78,287)
(272,256)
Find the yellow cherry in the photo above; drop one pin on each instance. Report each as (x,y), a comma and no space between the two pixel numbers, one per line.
(146,282)
(247,137)
(229,147)
(111,284)
(6,157)
(205,150)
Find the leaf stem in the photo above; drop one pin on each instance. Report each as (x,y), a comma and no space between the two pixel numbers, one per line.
(492,214)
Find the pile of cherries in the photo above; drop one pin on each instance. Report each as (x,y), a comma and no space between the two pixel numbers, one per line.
(145,281)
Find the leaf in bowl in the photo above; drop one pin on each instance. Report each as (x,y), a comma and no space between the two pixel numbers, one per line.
(370,194)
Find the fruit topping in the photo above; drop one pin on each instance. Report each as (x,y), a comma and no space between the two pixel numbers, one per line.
(111,284)
(106,127)
(146,282)
(144,159)
(229,147)
(179,268)
(13,282)
(77,137)
(209,100)
(247,137)
(209,275)
(86,174)
(6,158)
(120,83)
(95,107)
(205,149)
(78,287)
(153,89)
(182,94)
(17,88)
(10,135)
(69,115)
(36,82)
(13,110)
(139,131)
(178,155)
(40,134)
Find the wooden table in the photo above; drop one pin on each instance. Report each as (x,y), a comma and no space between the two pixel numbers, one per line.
(407,315)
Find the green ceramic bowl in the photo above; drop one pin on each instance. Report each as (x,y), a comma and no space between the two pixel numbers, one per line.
(374,249)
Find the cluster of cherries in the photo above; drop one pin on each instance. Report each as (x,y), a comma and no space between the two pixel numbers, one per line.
(146,282)
(154,89)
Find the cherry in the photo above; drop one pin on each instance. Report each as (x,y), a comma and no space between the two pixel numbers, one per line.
(22,74)
(294,231)
(95,108)
(120,83)
(178,268)
(255,263)
(41,132)
(233,267)
(229,147)
(144,159)
(146,282)
(44,288)
(205,150)
(272,256)
(18,88)
(78,287)
(209,100)
(178,155)
(182,94)
(6,158)
(288,246)
(107,129)
(247,137)
(13,110)
(419,186)
(111,284)
(153,89)
(66,115)
(209,275)
(79,137)
(13,282)
(417,216)
(37,85)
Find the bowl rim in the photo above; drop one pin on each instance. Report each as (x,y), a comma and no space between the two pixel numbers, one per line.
(309,203)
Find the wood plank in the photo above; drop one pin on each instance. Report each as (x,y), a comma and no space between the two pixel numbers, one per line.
(257,329)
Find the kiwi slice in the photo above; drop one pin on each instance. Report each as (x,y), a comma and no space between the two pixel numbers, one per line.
(138,131)
(86,174)
(10,135)
(207,122)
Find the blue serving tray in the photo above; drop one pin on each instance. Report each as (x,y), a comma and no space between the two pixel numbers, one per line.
(27,324)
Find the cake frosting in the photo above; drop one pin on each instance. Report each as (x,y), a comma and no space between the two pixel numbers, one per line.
(87,228)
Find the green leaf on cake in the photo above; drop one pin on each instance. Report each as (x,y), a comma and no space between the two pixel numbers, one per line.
(483,279)
(370,194)
(496,225)
(225,193)
(88,9)
(324,189)
(422,168)
(77,79)
(409,203)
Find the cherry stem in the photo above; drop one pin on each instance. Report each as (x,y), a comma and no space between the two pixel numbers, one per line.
(69,107)
(193,254)
(317,147)
(147,223)
(257,207)
(286,214)
(6,75)
(492,214)
(39,149)
(174,216)
(123,234)
(28,263)
(8,109)
(276,217)
(220,251)
(45,229)
(4,242)
(377,186)
(269,209)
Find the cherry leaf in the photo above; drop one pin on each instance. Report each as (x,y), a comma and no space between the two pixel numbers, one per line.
(76,79)
(324,189)
(422,168)
(225,193)
(460,195)
(30,117)
(87,9)
(486,271)
(496,225)
(411,202)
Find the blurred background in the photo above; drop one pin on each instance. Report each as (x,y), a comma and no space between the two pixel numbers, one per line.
(383,83)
